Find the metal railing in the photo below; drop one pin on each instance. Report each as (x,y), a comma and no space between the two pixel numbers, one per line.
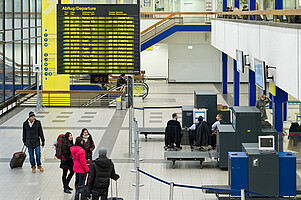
(160,28)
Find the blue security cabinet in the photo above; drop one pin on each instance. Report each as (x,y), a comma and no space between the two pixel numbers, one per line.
(287,174)
(238,172)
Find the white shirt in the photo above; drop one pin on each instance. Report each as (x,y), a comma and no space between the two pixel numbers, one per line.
(193,127)
(31,123)
(214,126)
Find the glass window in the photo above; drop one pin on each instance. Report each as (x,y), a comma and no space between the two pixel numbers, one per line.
(18,72)
(8,36)
(8,14)
(25,13)
(1,74)
(1,15)
(17,12)
(32,61)
(9,91)
(26,55)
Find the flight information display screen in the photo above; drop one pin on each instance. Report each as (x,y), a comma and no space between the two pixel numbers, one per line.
(98,39)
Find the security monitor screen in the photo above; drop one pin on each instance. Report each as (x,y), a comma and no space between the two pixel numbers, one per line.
(197,114)
(266,142)
(240,63)
(259,73)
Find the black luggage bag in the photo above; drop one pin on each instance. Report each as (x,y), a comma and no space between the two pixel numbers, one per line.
(83,192)
(114,198)
(18,158)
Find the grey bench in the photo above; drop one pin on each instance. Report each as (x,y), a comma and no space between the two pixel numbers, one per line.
(186,155)
(151,130)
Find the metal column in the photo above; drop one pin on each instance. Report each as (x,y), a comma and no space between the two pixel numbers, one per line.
(236,4)
(278,4)
(252,88)
(224,5)
(252,4)
(130,110)
(225,72)
(236,83)
(278,101)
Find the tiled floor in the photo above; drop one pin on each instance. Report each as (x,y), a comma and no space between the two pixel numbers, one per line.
(22,184)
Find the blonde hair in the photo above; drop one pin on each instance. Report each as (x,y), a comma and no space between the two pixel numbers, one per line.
(263,96)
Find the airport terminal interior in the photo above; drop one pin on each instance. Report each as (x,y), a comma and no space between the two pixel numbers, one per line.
(126,70)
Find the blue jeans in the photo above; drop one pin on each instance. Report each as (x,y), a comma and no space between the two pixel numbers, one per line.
(31,156)
(79,179)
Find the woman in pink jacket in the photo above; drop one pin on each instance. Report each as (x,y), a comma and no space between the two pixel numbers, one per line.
(79,161)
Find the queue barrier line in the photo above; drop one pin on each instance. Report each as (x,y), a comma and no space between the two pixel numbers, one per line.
(202,188)
(185,186)
(157,107)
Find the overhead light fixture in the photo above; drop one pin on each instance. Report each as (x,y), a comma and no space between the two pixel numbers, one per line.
(156,46)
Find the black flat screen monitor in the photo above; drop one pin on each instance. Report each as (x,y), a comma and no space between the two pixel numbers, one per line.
(260,75)
(240,61)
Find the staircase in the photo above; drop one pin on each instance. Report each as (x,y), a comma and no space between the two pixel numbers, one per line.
(167,27)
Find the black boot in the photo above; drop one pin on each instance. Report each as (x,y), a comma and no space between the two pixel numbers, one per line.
(68,181)
(67,191)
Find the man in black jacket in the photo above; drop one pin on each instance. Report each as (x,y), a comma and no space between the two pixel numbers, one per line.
(101,171)
(174,136)
(32,133)
(121,80)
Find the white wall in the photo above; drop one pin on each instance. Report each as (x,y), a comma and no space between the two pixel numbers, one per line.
(200,64)
(155,62)
(145,23)
(174,59)
(277,46)
(193,5)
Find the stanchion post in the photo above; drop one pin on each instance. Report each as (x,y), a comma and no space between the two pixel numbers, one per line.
(137,159)
(37,68)
(131,110)
(242,194)
(130,130)
(143,116)
(171,191)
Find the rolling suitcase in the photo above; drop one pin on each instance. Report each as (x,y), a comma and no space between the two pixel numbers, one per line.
(18,158)
(83,192)
(114,198)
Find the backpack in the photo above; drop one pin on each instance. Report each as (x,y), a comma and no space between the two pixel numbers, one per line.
(58,146)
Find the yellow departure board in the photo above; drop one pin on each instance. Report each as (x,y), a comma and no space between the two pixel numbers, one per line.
(98,39)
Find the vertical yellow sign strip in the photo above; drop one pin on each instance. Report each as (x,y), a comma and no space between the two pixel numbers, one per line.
(52,80)
(272,88)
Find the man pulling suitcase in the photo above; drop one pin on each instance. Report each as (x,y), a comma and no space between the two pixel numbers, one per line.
(32,134)
(101,171)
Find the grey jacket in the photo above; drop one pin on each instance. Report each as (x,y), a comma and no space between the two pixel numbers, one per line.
(261,106)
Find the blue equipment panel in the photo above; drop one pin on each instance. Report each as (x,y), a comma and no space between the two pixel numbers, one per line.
(238,172)
(287,174)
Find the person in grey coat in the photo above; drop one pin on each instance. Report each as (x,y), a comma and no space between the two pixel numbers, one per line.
(260,104)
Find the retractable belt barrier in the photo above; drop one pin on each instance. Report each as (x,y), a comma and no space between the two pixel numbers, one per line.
(156,107)
(200,188)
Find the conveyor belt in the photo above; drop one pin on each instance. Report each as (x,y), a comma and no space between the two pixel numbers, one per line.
(220,187)
(186,155)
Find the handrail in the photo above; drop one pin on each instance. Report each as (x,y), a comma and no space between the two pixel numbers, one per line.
(71,92)
(179,13)
(264,12)
(255,12)
(158,23)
